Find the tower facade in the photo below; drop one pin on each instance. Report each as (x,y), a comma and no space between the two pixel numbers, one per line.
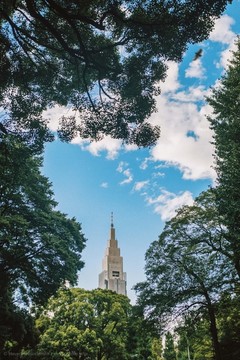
(112,276)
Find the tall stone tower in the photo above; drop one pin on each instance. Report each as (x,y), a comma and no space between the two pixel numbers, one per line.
(112,276)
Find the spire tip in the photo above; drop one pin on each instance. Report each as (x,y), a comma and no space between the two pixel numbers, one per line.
(111,219)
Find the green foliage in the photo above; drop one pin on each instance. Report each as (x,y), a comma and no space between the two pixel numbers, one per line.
(40,247)
(156,349)
(229,325)
(180,266)
(16,328)
(92,56)
(225,124)
(81,324)
(194,338)
(142,340)
(191,274)
(96,324)
(188,267)
(169,350)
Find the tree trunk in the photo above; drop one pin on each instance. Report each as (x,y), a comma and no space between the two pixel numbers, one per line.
(214,331)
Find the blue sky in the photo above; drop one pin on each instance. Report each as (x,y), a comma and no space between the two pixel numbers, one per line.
(143,187)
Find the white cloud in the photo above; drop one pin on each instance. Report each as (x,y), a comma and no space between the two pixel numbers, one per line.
(227,55)
(130,147)
(192,94)
(167,203)
(222,30)
(128,177)
(111,146)
(121,166)
(192,155)
(126,172)
(171,83)
(144,164)
(178,115)
(104,185)
(158,174)
(139,185)
(55,113)
(195,70)
(223,34)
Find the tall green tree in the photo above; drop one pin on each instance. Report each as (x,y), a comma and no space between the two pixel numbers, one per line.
(204,225)
(157,349)
(194,338)
(169,352)
(92,56)
(226,126)
(186,271)
(97,325)
(40,247)
(228,318)
(81,324)
(143,340)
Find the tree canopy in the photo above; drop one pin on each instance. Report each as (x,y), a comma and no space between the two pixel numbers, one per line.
(225,124)
(103,59)
(97,324)
(84,324)
(185,268)
(40,247)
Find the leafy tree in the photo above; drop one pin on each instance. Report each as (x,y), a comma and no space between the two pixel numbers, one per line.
(228,317)
(104,59)
(17,329)
(157,349)
(225,124)
(203,224)
(183,272)
(81,324)
(40,247)
(193,334)
(169,350)
(143,341)
(97,324)
(194,338)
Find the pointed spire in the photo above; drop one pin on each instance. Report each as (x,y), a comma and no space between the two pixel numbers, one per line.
(112,220)
(112,230)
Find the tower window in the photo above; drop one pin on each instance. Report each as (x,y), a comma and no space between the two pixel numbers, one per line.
(115,273)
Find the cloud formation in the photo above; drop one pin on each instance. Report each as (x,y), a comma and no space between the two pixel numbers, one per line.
(167,203)
(140,185)
(195,70)
(122,169)
(223,34)
(222,30)
(109,145)
(54,114)
(179,115)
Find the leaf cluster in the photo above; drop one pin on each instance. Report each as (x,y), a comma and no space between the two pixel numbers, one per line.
(225,124)
(85,324)
(103,59)
(40,246)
